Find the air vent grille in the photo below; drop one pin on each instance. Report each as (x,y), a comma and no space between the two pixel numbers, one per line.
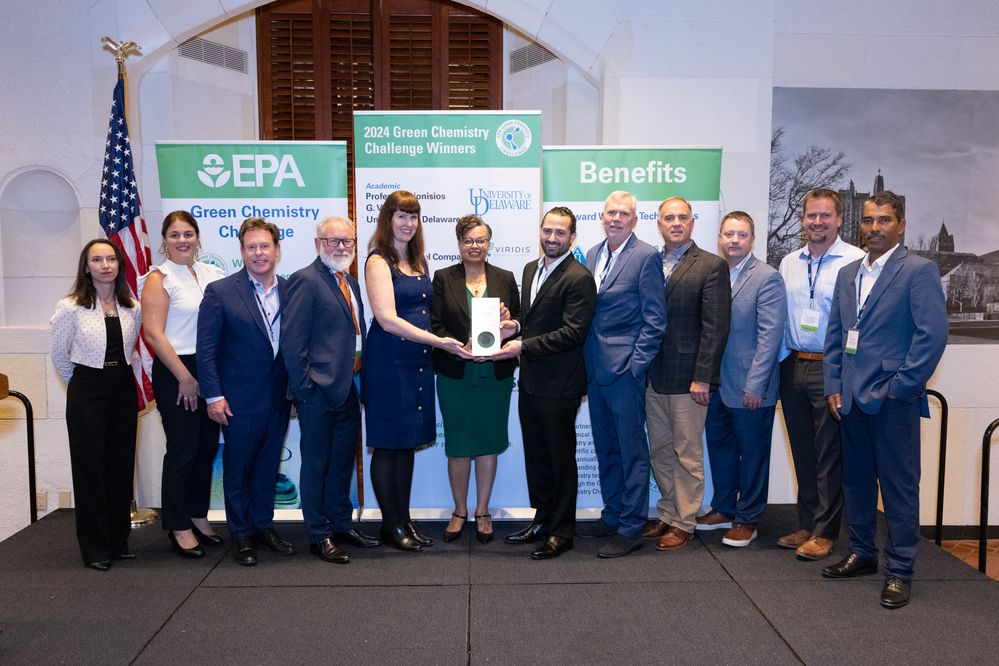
(214,53)
(529,56)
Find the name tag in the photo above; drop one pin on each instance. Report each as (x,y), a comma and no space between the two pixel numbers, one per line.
(852,341)
(810,320)
(357,345)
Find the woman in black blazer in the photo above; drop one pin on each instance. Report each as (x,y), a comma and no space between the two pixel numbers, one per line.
(474,397)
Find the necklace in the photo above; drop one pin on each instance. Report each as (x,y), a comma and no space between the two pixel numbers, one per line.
(108,307)
(476,286)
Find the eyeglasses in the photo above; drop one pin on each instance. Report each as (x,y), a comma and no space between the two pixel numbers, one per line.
(333,242)
(469,242)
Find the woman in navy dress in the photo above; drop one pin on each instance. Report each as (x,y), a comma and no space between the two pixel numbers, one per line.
(397,370)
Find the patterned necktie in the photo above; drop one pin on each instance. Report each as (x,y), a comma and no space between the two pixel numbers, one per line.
(345,290)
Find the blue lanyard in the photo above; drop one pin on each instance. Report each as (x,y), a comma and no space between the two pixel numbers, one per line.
(811,284)
(606,270)
(263,311)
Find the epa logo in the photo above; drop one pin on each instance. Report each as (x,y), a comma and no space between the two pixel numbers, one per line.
(250,171)
(513,138)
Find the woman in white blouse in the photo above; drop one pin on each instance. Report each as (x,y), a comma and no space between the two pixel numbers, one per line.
(93,339)
(171,295)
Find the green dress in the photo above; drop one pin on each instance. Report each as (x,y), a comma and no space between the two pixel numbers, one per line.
(475,408)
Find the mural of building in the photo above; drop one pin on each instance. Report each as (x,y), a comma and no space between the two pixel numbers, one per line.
(970,282)
(853,209)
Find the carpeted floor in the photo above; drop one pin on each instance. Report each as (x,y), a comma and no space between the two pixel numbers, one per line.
(465,603)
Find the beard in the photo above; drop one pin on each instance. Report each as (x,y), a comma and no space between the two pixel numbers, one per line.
(339,264)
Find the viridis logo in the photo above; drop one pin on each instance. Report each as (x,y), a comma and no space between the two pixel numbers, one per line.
(213,173)
(513,138)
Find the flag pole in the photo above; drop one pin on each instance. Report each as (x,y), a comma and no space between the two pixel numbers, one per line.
(121,50)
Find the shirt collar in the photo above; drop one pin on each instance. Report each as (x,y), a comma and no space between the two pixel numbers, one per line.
(737,269)
(678,253)
(835,250)
(880,262)
(259,286)
(554,263)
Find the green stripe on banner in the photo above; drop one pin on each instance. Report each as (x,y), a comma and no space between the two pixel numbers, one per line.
(650,173)
(258,170)
(466,140)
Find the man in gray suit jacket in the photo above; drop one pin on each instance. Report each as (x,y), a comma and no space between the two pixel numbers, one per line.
(741,412)
(684,372)
(627,326)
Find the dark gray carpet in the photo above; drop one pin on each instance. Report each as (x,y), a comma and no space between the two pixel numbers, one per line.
(465,602)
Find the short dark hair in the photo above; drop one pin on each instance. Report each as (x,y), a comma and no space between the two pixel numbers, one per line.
(253,223)
(889,198)
(177,216)
(468,223)
(563,212)
(742,216)
(84,293)
(822,193)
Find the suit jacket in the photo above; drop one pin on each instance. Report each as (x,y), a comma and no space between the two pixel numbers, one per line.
(449,314)
(235,357)
(698,309)
(630,316)
(759,312)
(318,336)
(80,336)
(903,333)
(553,329)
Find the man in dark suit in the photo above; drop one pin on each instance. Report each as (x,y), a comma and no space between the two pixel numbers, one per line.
(558,302)
(887,332)
(245,384)
(684,372)
(322,332)
(740,417)
(628,324)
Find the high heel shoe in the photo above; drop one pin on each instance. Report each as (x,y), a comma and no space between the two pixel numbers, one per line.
(399,539)
(483,537)
(450,536)
(194,553)
(410,528)
(207,539)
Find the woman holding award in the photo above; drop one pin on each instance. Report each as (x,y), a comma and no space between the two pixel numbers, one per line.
(474,397)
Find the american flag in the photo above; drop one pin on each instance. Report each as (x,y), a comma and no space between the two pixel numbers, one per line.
(121,219)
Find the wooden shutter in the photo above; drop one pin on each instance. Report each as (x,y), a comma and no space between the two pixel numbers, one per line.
(287,75)
(473,68)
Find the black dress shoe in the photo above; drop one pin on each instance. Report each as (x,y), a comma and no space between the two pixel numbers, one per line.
(410,528)
(104,565)
(356,537)
(895,593)
(124,553)
(619,546)
(483,537)
(244,552)
(554,546)
(850,566)
(207,539)
(450,536)
(270,540)
(595,529)
(328,551)
(194,552)
(530,534)
(400,540)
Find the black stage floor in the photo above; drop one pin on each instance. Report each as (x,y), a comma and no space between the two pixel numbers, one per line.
(464,603)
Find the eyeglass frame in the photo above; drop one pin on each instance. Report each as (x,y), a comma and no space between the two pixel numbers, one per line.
(346,243)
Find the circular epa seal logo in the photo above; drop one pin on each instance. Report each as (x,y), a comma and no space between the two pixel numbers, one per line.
(213,260)
(513,138)
(486,339)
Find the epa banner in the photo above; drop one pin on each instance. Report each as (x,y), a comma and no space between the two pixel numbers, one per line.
(456,163)
(294,184)
(581,177)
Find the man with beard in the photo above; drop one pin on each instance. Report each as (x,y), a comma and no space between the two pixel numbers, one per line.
(322,333)
(559,297)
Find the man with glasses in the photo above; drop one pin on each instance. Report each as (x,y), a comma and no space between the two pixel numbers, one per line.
(322,336)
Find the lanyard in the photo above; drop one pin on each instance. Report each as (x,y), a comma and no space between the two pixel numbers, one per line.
(811,284)
(606,270)
(860,286)
(263,311)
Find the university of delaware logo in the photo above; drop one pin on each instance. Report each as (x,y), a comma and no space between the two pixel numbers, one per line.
(513,138)
(213,172)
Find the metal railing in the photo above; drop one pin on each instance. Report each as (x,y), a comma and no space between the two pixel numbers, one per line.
(942,465)
(29,414)
(983,522)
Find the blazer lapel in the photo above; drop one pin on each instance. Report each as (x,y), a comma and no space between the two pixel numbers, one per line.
(332,283)
(888,273)
(743,278)
(551,279)
(527,288)
(456,285)
(250,301)
(681,268)
(619,264)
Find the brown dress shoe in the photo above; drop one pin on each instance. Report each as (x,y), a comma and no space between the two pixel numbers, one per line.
(794,539)
(739,535)
(654,530)
(713,520)
(816,548)
(674,538)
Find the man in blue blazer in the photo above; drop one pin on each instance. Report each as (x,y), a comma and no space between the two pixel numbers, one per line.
(628,324)
(887,332)
(322,332)
(740,417)
(245,384)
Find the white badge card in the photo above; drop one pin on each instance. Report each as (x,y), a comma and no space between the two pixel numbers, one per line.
(852,340)
(810,320)
(358,342)
(485,326)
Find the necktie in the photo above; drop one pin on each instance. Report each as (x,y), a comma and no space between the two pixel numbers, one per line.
(345,290)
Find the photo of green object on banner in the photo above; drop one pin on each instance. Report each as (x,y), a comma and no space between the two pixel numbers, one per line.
(295,185)
(581,177)
(456,163)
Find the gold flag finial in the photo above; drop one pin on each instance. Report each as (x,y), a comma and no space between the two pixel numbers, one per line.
(121,50)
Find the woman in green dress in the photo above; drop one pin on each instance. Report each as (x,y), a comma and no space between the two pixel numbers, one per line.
(474,396)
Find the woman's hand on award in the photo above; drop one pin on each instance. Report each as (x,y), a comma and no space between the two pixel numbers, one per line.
(454,347)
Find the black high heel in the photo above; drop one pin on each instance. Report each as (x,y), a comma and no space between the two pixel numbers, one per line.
(193,553)
(399,539)
(450,536)
(483,537)
(410,528)
(207,539)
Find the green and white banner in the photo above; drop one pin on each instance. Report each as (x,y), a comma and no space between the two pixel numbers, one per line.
(456,163)
(581,177)
(294,184)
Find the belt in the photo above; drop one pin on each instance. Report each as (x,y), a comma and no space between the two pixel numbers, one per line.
(806,356)
(110,364)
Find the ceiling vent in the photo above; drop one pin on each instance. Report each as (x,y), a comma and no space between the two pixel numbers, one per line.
(214,53)
(529,56)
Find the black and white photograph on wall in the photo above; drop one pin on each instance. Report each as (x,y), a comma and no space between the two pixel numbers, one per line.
(938,149)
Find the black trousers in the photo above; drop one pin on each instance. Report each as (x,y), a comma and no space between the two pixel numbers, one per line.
(192,441)
(549,429)
(101,417)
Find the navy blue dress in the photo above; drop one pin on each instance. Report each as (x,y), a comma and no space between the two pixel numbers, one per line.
(397,376)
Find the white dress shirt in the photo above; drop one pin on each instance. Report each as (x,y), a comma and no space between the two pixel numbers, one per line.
(868,274)
(542,273)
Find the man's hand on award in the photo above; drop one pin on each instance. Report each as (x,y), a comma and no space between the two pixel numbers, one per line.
(454,347)
(509,350)
(508,328)
(504,311)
